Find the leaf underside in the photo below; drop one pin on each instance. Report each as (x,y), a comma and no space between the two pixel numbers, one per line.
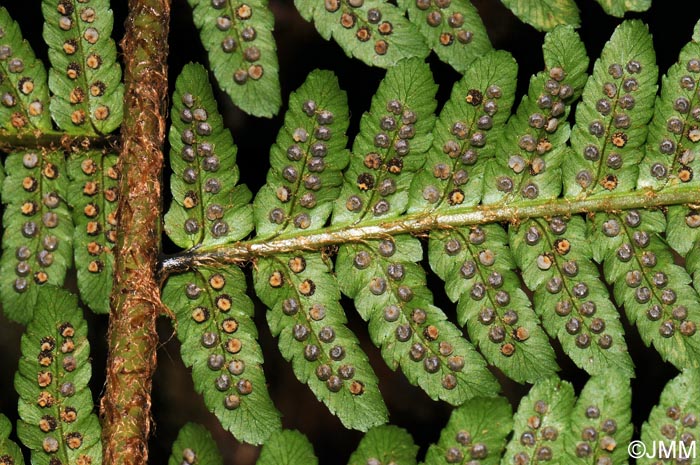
(85,78)
(545,15)
(55,405)
(242,52)
(219,342)
(194,444)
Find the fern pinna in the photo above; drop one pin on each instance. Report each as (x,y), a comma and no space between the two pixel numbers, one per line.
(545,219)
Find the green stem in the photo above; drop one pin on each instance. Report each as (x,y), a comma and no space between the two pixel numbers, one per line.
(10,142)
(422,222)
(135,299)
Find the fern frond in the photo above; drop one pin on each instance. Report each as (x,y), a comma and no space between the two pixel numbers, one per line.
(674,421)
(477,267)
(654,291)
(38,232)
(545,15)
(85,78)
(476,431)
(307,160)
(601,426)
(24,92)
(541,423)
(453,30)
(194,444)
(533,145)
(672,149)
(374,31)
(242,51)
(10,453)
(390,147)
(55,403)
(555,259)
(303,296)
(385,444)
(611,120)
(208,207)
(93,195)
(465,135)
(390,292)
(289,447)
(219,342)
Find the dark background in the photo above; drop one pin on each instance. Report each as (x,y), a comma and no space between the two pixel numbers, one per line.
(301,50)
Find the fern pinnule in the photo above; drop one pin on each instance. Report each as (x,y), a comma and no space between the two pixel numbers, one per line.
(453,30)
(654,292)
(219,342)
(38,237)
(303,297)
(533,145)
(601,421)
(84,78)
(394,136)
(374,31)
(611,120)
(93,195)
(306,161)
(209,207)
(465,136)
(389,289)
(242,52)
(556,262)
(24,92)
(55,405)
(478,269)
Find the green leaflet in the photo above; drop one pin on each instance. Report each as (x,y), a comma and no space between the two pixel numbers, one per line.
(208,207)
(24,92)
(533,145)
(478,269)
(242,51)
(391,145)
(655,293)
(385,444)
(611,120)
(540,424)
(601,426)
(683,235)
(374,31)
(673,423)
(672,150)
(38,232)
(194,444)
(93,195)
(618,8)
(390,292)
(289,447)
(10,453)
(545,15)
(303,296)
(453,29)
(55,403)
(465,135)
(476,432)
(555,259)
(307,160)
(219,342)
(85,78)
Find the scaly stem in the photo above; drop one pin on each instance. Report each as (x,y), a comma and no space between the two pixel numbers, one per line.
(423,222)
(135,300)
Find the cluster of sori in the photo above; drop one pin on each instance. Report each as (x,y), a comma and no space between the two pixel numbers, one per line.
(86,87)
(55,406)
